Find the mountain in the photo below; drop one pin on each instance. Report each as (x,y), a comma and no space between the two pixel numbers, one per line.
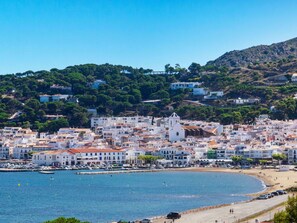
(258,54)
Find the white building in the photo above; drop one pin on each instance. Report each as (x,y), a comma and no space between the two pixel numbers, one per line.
(292,155)
(184,85)
(214,95)
(168,152)
(132,155)
(294,77)
(182,158)
(241,101)
(106,121)
(54,158)
(79,156)
(22,152)
(176,131)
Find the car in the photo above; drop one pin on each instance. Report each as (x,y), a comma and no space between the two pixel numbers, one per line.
(173,215)
(275,193)
(270,195)
(281,192)
(262,197)
(146,220)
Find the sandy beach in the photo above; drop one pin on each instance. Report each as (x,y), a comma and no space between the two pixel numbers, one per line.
(273,179)
(243,211)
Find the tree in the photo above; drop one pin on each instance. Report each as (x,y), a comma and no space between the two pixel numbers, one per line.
(194,68)
(281,217)
(148,158)
(279,157)
(249,160)
(66,220)
(236,159)
(289,215)
(169,69)
(263,162)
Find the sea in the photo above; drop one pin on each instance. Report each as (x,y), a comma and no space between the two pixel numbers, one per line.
(31,197)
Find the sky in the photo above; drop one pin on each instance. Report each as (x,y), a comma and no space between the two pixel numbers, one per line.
(42,34)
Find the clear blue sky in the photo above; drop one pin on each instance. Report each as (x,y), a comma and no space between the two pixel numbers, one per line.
(45,34)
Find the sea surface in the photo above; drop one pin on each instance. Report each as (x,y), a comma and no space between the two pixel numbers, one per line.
(31,197)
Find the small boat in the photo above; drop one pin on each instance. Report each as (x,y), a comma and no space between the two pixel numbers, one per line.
(46,172)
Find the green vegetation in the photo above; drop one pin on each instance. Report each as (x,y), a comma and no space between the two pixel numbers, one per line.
(66,220)
(279,157)
(289,215)
(125,90)
(148,158)
(236,159)
(263,162)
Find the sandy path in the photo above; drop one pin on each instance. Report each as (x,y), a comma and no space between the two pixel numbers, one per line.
(222,214)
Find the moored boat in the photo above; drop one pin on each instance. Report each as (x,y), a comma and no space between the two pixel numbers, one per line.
(46,172)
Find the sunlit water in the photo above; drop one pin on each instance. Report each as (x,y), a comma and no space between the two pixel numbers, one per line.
(30,197)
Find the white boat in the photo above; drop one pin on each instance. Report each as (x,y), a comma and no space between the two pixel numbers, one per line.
(46,172)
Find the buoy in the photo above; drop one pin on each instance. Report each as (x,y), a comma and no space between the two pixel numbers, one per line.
(19,185)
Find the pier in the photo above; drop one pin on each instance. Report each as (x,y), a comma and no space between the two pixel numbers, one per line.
(119,171)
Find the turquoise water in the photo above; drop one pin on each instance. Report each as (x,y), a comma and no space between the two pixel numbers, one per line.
(30,197)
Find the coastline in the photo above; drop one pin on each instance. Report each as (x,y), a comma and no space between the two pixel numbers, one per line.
(271,178)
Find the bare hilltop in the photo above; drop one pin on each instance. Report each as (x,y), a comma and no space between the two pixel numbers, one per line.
(258,54)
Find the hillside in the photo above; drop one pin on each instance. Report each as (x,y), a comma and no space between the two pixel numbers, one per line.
(27,99)
(258,54)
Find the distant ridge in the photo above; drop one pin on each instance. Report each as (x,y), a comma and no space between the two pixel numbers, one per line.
(258,54)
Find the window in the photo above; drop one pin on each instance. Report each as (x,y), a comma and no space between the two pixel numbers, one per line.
(177,133)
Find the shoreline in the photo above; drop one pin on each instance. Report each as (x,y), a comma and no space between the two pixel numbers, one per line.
(271,178)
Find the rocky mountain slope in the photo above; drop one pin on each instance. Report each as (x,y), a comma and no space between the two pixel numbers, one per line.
(258,54)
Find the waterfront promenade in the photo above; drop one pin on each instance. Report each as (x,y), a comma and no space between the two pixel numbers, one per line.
(222,214)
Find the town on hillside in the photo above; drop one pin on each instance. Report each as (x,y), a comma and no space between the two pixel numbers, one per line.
(152,142)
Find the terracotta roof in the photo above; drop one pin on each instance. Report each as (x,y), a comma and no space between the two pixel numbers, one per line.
(190,127)
(93,150)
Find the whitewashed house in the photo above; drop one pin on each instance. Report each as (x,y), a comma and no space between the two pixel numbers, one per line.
(176,131)
(182,158)
(54,158)
(168,152)
(22,151)
(132,155)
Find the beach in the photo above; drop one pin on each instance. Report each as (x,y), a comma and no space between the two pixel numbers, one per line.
(243,211)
